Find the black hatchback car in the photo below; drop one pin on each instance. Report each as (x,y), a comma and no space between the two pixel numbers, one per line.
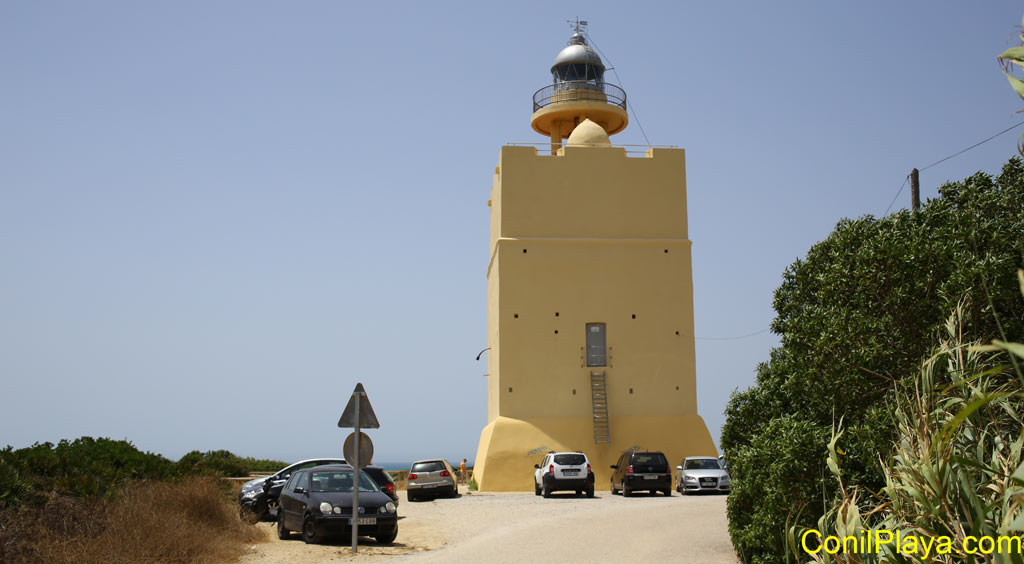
(642,471)
(259,497)
(318,502)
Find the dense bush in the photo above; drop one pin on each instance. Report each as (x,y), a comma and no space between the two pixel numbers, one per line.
(856,315)
(88,467)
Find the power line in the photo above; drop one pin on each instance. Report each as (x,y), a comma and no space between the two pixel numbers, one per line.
(902,186)
(973,146)
(765,330)
(942,160)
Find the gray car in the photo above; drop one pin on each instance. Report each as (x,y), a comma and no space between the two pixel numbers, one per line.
(702,474)
(431,478)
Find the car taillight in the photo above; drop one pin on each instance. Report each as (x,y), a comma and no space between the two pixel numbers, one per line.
(588,468)
(413,476)
(445,474)
(630,469)
(551,468)
(390,488)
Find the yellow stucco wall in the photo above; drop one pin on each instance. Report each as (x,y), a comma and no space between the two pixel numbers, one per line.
(589,235)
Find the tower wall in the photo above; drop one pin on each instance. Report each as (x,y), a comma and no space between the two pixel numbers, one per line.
(588,236)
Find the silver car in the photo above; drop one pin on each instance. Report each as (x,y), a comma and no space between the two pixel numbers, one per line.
(431,478)
(702,474)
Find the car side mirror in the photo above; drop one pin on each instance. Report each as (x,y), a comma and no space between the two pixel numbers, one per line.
(300,490)
(536,466)
(615,466)
(679,467)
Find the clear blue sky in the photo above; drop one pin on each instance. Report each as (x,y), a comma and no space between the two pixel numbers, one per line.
(216,218)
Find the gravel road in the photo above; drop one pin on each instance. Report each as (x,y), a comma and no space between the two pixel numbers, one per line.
(520,527)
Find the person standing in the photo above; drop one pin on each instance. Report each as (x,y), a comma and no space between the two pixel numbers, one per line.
(462,471)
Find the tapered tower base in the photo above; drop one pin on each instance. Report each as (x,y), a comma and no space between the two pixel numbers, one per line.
(510,447)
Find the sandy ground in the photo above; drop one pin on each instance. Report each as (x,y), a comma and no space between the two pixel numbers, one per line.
(521,527)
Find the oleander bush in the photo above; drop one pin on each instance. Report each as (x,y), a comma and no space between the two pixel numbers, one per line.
(856,317)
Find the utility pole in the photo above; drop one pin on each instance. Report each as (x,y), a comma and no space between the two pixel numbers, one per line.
(915,191)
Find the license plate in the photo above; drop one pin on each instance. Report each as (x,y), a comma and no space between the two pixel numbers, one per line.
(430,485)
(651,477)
(707,482)
(570,472)
(364,520)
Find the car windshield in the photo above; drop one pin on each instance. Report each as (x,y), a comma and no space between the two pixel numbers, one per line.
(433,466)
(570,459)
(341,481)
(649,458)
(702,464)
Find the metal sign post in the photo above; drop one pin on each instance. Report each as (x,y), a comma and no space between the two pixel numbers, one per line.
(358,414)
(355,484)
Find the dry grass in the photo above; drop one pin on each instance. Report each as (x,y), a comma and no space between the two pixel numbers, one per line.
(188,522)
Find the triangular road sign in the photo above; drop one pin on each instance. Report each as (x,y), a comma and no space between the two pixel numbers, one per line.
(367,418)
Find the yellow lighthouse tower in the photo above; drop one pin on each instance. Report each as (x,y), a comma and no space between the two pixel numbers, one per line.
(590,291)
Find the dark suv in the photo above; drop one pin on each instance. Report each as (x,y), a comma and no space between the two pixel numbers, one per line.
(642,471)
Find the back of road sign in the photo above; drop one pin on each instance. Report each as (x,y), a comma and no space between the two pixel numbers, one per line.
(367,418)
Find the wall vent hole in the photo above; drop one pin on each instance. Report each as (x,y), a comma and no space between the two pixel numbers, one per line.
(556,331)
(666,251)
(630,390)
(574,391)
(677,332)
(510,390)
(524,251)
(677,388)
(634,316)
(516,315)
(556,314)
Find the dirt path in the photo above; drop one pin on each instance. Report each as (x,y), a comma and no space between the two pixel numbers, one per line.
(520,527)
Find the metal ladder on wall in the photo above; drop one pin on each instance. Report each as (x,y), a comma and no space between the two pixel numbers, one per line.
(599,396)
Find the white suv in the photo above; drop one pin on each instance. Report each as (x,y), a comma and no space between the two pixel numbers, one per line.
(563,471)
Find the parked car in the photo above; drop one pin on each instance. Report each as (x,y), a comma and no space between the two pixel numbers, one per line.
(318,502)
(560,471)
(431,478)
(702,474)
(259,497)
(642,471)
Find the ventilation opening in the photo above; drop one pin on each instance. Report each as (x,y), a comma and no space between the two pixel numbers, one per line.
(634,316)
(556,331)
(515,315)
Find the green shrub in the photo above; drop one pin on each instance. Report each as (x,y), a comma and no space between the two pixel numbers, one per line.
(855,316)
(955,471)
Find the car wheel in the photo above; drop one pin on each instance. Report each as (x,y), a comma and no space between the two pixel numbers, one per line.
(387,537)
(536,488)
(309,530)
(626,492)
(590,491)
(667,492)
(614,490)
(547,490)
(259,509)
(454,492)
(579,493)
(282,532)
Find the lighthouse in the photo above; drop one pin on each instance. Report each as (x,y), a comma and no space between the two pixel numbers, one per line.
(590,290)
